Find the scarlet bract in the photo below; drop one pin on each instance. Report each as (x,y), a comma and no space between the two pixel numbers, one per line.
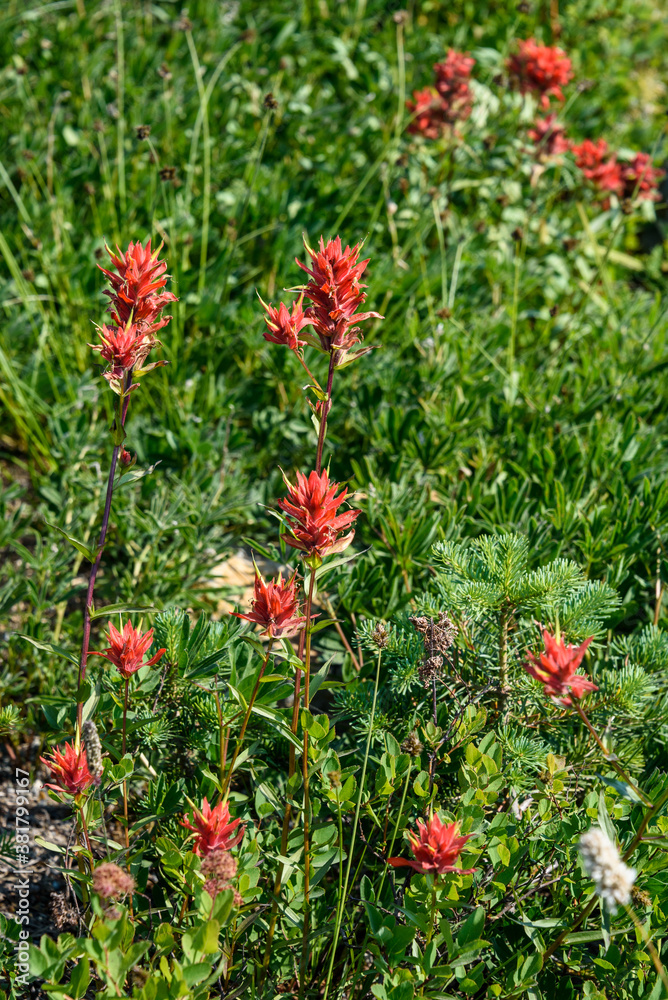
(436,847)
(556,669)
(69,769)
(127,648)
(311,507)
(275,607)
(543,69)
(214,828)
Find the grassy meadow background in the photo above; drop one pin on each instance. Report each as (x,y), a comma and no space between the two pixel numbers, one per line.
(520,380)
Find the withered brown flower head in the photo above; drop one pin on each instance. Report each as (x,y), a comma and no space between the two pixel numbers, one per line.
(167,173)
(64,915)
(430,668)
(439,635)
(219,864)
(111,881)
(412,745)
(143,131)
(380,636)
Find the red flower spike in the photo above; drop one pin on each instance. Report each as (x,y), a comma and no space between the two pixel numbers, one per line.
(275,607)
(428,112)
(123,347)
(543,69)
(136,294)
(549,136)
(283,326)
(604,174)
(336,293)
(452,84)
(311,507)
(213,828)
(436,847)
(555,669)
(640,178)
(69,770)
(127,648)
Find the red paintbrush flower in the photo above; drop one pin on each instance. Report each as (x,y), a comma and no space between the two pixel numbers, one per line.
(69,770)
(136,294)
(275,607)
(123,347)
(640,178)
(436,848)
(127,648)
(452,84)
(549,136)
(604,174)
(311,507)
(555,669)
(428,113)
(283,326)
(336,293)
(213,828)
(544,69)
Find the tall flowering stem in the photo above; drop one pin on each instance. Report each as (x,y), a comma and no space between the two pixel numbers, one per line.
(137,299)
(126,651)
(329,325)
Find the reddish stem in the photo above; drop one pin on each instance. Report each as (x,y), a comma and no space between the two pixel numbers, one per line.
(326,407)
(96,565)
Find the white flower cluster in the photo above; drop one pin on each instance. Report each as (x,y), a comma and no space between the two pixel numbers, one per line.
(604,866)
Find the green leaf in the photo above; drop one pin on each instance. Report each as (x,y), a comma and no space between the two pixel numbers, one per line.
(122,609)
(49,647)
(90,554)
(621,787)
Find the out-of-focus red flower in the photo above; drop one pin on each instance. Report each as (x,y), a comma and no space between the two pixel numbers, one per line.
(640,178)
(428,113)
(311,507)
(136,294)
(127,648)
(69,770)
(604,174)
(275,607)
(335,293)
(555,669)
(543,69)
(436,847)
(549,136)
(283,326)
(452,84)
(213,828)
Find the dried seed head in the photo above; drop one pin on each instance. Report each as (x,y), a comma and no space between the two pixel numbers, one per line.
(612,878)
(93,749)
(219,864)
(334,779)
(412,745)
(143,131)
(111,881)
(270,102)
(430,668)
(63,913)
(380,636)
(167,173)
(438,636)
(640,896)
